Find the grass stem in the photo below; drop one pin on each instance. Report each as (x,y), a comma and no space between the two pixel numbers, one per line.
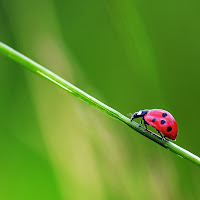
(55,79)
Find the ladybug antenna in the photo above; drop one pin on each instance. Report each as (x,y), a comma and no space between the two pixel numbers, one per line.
(130,114)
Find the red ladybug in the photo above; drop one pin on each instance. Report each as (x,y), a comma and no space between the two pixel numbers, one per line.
(162,120)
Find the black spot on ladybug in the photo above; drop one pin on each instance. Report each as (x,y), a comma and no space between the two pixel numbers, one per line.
(164,114)
(169,128)
(162,121)
(154,119)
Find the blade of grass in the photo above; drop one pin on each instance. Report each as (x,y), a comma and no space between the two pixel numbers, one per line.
(47,74)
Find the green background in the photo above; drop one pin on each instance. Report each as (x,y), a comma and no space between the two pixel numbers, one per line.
(129,54)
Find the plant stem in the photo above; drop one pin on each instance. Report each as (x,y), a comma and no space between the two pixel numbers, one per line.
(47,74)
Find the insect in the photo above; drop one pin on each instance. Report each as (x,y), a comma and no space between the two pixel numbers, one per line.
(162,120)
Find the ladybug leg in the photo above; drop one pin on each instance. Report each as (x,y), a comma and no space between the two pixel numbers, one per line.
(158,131)
(163,137)
(166,138)
(141,122)
(145,124)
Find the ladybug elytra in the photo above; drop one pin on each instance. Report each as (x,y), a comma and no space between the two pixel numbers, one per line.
(162,120)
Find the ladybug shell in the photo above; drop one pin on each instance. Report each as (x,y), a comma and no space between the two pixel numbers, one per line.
(162,121)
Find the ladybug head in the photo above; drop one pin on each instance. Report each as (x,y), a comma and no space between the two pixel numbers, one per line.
(135,115)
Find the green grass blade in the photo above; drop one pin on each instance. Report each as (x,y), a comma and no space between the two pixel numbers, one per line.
(47,74)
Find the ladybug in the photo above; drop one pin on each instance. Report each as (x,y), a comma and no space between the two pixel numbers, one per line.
(162,120)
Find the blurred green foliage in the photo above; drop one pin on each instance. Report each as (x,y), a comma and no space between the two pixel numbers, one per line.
(129,54)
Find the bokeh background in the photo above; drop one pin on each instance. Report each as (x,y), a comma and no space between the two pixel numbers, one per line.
(129,54)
